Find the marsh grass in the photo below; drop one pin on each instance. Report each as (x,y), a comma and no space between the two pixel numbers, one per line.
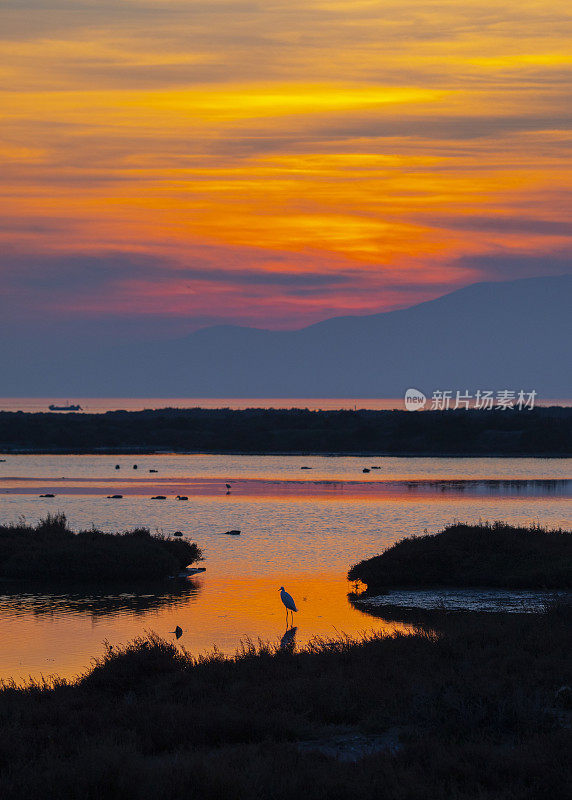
(474,704)
(51,551)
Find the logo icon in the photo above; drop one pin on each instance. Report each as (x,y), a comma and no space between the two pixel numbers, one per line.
(414,400)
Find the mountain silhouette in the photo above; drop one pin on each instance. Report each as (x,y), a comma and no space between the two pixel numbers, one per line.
(494,335)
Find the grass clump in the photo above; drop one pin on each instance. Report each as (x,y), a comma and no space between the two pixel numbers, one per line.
(475,707)
(497,555)
(51,551)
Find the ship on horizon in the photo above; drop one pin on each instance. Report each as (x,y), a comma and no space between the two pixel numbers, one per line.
(67,407)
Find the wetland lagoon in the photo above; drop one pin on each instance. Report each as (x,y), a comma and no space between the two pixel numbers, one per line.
(304,520)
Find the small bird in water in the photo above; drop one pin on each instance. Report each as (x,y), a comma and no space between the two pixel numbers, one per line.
(288,601)
(178,632)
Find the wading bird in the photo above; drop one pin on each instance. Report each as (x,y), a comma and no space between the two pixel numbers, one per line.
(288,601)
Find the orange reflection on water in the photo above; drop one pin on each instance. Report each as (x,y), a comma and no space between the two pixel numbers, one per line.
(359,488)
(222,613)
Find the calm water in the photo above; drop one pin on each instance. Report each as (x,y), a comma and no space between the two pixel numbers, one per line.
(300,528)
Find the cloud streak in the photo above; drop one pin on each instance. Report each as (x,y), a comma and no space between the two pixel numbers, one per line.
(278,162)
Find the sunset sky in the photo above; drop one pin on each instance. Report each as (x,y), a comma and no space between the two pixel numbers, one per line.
(171,164)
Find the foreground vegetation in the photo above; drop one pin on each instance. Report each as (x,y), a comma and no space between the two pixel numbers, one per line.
(498,555)
(542,431)
(51,551)
(476,712)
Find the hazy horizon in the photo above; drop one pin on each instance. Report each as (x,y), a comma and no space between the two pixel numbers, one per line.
(510,335)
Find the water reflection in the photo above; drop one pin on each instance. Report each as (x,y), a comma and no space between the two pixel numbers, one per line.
(288,641)
(305,539)
(95,600)
(400,604)
(174,489)
(560,487)
(335,468)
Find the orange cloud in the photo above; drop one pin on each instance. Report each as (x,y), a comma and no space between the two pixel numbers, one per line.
(384,140)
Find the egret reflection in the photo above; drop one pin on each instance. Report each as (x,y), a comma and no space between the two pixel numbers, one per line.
(97,601)
(288,641)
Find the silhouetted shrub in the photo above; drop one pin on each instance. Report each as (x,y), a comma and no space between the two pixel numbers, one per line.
(51,551)
(497,555)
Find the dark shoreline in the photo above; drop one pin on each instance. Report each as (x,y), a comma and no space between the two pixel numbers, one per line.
(470,708)
(540,433)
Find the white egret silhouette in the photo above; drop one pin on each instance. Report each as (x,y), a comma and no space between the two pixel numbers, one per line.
(288,601)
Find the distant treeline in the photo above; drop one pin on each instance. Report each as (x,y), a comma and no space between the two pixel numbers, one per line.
(542,431)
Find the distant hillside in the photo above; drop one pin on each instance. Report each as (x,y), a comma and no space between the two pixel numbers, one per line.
(507,335)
